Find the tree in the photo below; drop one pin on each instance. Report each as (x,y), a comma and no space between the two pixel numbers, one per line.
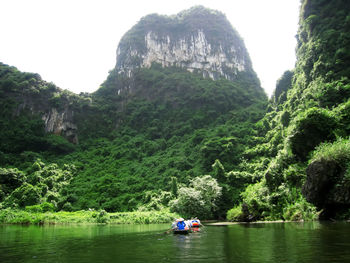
(199,199)
(25,195)
(282,86)
(10,179)
(174,187)
(309,129)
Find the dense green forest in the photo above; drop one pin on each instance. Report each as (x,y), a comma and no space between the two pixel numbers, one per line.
(167,138)
(305,133)
(176,127)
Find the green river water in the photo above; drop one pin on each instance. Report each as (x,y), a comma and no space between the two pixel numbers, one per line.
(267,242)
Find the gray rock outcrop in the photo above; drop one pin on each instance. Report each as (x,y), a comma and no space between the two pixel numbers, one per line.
(326,187)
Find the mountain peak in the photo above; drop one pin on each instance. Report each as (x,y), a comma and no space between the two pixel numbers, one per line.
(197,39)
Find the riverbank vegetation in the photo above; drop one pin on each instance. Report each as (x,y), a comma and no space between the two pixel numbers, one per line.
(33,215)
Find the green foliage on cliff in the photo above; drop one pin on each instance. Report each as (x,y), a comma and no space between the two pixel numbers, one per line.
(136,136)
(39,184)
(23,99)
(338,153)
(171,124)
(309,108)
(309,128)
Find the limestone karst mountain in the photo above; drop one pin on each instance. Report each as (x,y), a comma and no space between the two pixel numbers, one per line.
(197,39)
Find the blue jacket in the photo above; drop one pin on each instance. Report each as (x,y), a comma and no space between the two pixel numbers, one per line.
(181,225)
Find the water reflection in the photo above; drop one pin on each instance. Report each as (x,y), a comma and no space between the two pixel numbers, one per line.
(281,242)
(288,242)
(207,246)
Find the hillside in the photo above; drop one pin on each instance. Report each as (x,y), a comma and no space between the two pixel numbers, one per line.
(149,135)
(303,147)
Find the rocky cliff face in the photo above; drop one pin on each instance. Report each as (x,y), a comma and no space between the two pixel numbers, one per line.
(61,123)
(26,93)
(58,120)
(198,39)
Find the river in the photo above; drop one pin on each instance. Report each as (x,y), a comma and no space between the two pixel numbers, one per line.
(265,242)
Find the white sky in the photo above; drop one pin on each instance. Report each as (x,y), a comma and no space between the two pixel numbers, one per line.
(73,43)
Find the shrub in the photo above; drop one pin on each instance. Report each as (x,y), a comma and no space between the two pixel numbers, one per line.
(333,93)
(10,179)
(190,203)
(34,209)
(102,217)
(67,207)
(309,129)
(256,200)
(282,86)
(174,186)
(235,214)
(198,200)
(2,194)
(47,207)
(300,210)
(25,195)
(344,117)
(285,118)
(295,174)
(338,151)
(274,173)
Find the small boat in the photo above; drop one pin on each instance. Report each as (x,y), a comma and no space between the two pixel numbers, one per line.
(195,223)
(180,226)
(182,232)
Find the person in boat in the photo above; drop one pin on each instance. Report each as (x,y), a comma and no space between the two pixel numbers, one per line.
(195,222)
(180,224)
